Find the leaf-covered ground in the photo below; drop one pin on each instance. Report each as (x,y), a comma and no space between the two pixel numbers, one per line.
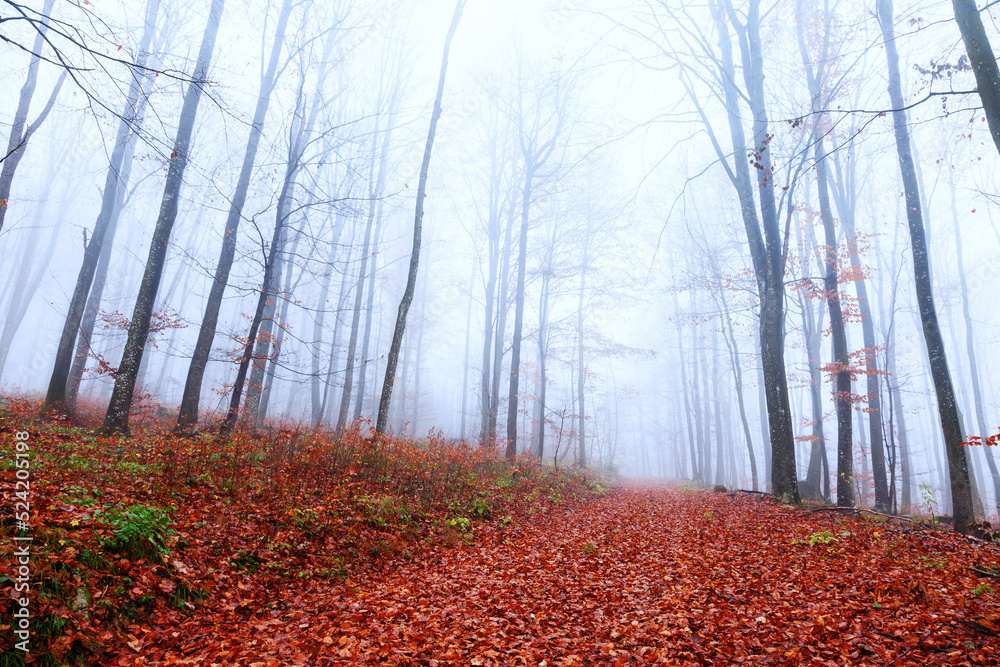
(294,550)
(652,574)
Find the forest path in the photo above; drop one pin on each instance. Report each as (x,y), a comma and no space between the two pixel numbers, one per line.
(652,574)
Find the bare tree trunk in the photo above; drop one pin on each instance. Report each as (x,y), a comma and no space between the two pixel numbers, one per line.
(377,184)
(844,196)
(325,407)
(411,279)
(465,365)
(982,60)
(29,276)
(813,333)
(734,356)
(896,410)
(703,437)
(369,311)
(300,133)
(581,349)
(319,325)
(720,452)
(268,292)
(117,417)
(20,131)
(687,394)
(503,307)
(417,358)
(543,315)
(970,347)
(487,432)
(83,345)
(55,397)
(763,234)
(286,299)
(266,335)
(816,79)
(187,417)
(842,395)
(947,406)
(762,410)
(515,349)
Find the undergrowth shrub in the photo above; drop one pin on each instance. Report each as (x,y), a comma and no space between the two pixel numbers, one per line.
(137,531)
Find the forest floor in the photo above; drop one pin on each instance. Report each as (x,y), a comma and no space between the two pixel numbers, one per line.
(293,550)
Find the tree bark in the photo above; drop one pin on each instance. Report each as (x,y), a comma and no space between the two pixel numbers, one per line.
(268,291)
(844,192)
(55,397)
(842,395)
(947,405)
(377,183)
(503,309)
(982,60)
(692,443)
(543,323)
(83,344)
(319,325)
(117,417)
(515,347)
(766,247)
(187,417)
(581,373)
(729,337)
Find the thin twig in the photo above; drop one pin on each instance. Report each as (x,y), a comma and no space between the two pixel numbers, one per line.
(984,573)
(917,645)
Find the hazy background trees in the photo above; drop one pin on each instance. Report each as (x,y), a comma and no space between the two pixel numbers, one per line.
(644,227)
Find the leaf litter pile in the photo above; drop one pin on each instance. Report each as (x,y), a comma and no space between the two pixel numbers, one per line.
(292,550)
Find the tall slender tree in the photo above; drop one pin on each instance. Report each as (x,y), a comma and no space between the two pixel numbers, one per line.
(815,78)
(982,61)
(187,417)
(20,129)
(947,403)
(411,279)
(117,417)
(540,125)
(55,397)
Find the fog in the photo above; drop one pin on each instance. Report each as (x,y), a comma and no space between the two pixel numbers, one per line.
(603,134)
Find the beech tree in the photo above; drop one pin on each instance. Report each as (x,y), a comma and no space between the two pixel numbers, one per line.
(55,397)
(982,61)
(947,405)
(117,417)
(20,129)
(411,279)
(815,78)
(187,417)
(300,135)
(540,118)
(762,229)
